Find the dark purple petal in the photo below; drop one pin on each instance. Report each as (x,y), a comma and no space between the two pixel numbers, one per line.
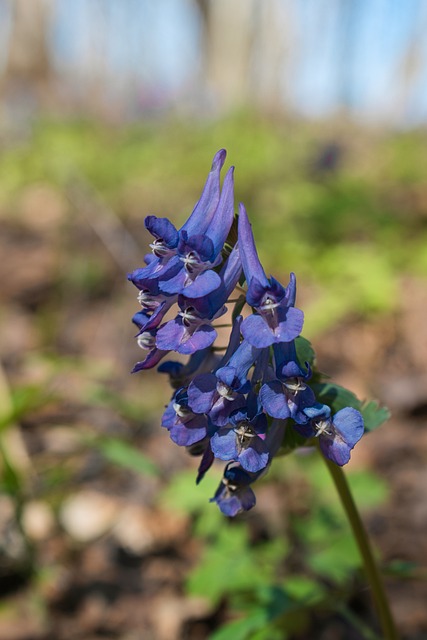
(187,433)
(221,410)
(163,229)
(205,208)
(202,393)
(205,464)
(274,400)
(152,359)
(336,449)
(176,282)
(255,457)
(291,290)
(226,375)
(318,411)
(202,245)
(234,493)
(224,444)
(251,265)
(170,336)
(231,504)
(203,337)
(141,277)
(203,284)
(274,437)
(306,430)
(243,358)
(257,332)
(220,225)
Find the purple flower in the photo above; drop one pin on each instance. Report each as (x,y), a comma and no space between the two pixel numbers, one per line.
(337,434)
(218,394)
(244,439)
(289,394)
(191,330)
(234,494)
(185,427)
(146,338)
(190,272)
(179,256)
(276,319)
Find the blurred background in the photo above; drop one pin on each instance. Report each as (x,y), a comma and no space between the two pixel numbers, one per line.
(111,110)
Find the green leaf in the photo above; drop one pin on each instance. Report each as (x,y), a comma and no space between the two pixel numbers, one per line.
(183,494)
(337,560)
(230,565)
(335,396)
(24,400)
(126,455)
(305,351)
(338,397)
(374,415)
(305,590)
(368,489)
(10,480)
(242,629)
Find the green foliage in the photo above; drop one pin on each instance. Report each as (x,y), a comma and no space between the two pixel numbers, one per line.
(338,397)
(125,455)
(374,415)
(305,351)
(345,235)
(230,565)
(270,599)
(24,400)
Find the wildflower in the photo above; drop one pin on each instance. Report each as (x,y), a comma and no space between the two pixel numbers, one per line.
(218,394)
(244,438)
(192,330)
(185,427)
(234,494)
(146,338)
(181,257)
(288,394)
(337,434)
(276,318)
(191,272)
(235,407)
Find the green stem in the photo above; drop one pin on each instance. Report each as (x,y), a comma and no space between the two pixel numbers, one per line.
(371,568)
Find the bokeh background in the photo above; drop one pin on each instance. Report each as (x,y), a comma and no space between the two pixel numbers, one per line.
(111,110)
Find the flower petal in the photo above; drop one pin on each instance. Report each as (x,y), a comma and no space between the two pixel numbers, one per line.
(251,265)
(254,458)
(202,392)
(349,423)
(205,208)
(203,337)
(274,400)
(204,283)
(224,444)
(257,332)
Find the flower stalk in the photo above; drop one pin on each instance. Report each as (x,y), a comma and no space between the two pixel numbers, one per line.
(369,563)
(231,400)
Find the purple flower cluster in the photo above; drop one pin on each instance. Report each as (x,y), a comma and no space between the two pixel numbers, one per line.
(237,407)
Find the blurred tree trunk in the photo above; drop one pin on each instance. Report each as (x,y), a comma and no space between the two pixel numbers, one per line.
(243,51)
(271,39)
(28,69)
(227,42)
